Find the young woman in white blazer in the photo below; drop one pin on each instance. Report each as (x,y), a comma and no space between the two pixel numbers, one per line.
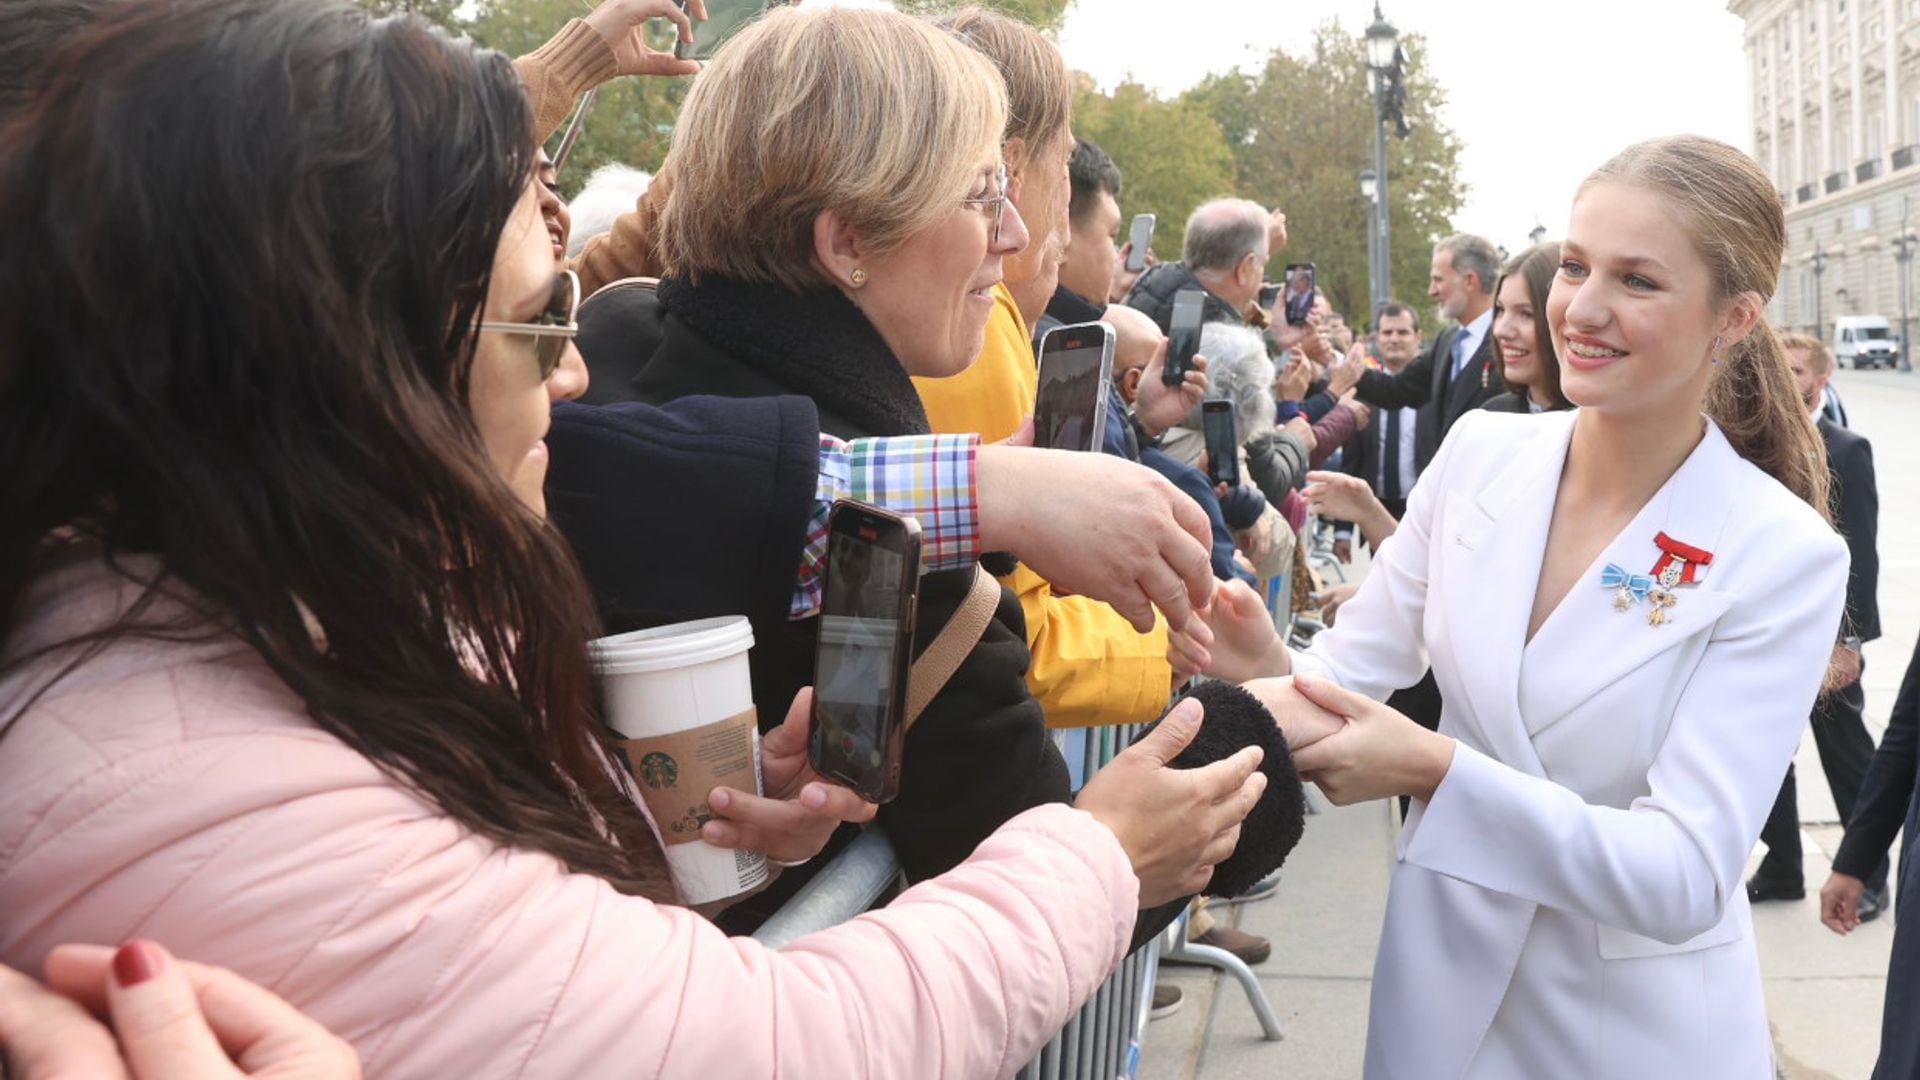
(1629,609)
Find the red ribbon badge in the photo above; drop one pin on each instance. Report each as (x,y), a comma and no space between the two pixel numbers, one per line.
(1685,557)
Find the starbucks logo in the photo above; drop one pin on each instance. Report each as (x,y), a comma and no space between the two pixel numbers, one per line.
(658,771)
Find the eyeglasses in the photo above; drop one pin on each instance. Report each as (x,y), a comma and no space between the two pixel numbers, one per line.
(995,205)
(553,327)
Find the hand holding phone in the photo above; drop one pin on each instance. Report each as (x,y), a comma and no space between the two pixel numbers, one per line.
(622,24)
(864,651)
(725,18)
(1070,405)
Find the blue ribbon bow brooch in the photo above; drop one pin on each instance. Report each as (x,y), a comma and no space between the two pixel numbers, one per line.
(1680,564)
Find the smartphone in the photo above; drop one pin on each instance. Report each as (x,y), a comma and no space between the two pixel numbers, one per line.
(1183,334)
(1142,240)
(1223,448)
(865,648)
(1070,408)
(1300,292)
(725,18)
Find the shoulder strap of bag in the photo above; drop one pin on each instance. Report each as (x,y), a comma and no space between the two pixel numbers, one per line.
(956,639)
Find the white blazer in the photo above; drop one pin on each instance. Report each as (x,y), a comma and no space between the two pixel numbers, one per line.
(1571,901)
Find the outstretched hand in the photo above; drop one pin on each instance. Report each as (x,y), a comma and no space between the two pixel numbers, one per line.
(622,24)
(801,808)
(1175,825)
(1161,406)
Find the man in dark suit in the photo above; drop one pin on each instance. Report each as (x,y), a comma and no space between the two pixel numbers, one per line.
(1386,455)
(1886,799)
(1460,368)
(1839,727)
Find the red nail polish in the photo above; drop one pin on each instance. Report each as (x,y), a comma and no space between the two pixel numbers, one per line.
(135,963)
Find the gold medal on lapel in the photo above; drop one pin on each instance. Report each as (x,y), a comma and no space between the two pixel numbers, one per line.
(1658,601)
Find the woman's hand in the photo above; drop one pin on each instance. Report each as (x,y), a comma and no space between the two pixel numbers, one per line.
(1244,643)
(800,810)
(622,24)
(1096,525)
(1294,380)
(1301,721)
(1348,498)
(1840,902)
(164,1018)
(1379,753)
(1176,825)
(1331,599)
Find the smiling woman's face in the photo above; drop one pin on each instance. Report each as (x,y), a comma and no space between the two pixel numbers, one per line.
(1632,311)
(511,403)
(930,298)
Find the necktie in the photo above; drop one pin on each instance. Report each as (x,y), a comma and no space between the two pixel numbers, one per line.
(1459,350)
(1390,455)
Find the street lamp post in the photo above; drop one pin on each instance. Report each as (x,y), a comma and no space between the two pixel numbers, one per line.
(1819,297)
(1368,191)
(1903,254)
(1386,68)
(1536,234)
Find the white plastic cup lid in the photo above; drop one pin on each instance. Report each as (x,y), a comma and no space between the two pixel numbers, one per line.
(667,648)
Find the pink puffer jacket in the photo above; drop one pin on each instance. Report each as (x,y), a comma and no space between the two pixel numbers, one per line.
(180,793)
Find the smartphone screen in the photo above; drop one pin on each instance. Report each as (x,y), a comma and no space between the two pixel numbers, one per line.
(725,18)
(1300,292)
(865,648)
(1070,408)
(1142,240)
(1223,448)
(1183,335)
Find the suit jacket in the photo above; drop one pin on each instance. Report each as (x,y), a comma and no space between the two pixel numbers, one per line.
(1362,455)
(1570,901)
(1856,509)
(1428,384)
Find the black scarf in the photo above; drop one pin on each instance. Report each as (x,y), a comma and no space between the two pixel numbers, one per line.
(816,343)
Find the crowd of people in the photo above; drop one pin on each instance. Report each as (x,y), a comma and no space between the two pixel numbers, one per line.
(316,505)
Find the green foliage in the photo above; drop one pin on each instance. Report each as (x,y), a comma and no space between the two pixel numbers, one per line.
(1301,130)
(1045,14)
(444,12)
(632,119)
(1171,154)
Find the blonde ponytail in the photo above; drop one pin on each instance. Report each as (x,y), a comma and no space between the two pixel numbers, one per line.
(1753,398)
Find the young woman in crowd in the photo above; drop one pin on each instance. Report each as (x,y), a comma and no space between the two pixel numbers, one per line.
(1529,363)
(294,676)
(1629,608)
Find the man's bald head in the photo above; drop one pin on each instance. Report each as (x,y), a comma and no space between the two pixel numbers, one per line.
(1136,338)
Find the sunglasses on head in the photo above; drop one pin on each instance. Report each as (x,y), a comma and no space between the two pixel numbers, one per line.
(553,327)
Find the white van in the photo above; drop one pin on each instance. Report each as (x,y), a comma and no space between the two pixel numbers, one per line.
(1863,340)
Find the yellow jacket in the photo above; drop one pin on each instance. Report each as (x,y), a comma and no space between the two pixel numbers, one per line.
(1090,666)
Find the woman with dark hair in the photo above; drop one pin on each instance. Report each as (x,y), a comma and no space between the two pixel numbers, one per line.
(1529,363)
(294,673)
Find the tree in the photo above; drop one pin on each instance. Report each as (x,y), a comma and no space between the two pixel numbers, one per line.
(1300,132)
(444,12)
(1045,14)
(1171,154)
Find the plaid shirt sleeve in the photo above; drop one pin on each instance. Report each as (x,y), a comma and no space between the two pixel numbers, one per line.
(930,478)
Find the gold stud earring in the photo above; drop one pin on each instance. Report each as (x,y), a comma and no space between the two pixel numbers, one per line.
(858,278)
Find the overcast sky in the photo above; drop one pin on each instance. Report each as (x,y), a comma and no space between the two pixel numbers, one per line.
(1539,91)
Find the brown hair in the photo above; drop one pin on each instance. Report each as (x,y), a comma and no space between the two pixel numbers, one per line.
(1812,346)
(1732,213)
(871,113)
(264,392)
(1537,266)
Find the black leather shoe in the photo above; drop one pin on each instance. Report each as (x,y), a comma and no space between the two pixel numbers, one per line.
(1760,890)
(1871,905)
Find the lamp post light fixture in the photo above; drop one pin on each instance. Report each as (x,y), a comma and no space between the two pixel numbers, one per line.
(1386,71)
(1903,254)
(1819,308)
(1536,234)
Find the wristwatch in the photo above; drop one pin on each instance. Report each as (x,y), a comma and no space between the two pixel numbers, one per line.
(1851,641)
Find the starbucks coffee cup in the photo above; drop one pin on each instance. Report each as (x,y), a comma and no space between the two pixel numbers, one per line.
(682,699)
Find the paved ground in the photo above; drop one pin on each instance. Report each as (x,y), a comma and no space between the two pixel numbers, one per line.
(1823,992)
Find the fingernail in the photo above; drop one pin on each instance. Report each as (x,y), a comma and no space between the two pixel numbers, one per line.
(135,963)
(814,797)
(718,799)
